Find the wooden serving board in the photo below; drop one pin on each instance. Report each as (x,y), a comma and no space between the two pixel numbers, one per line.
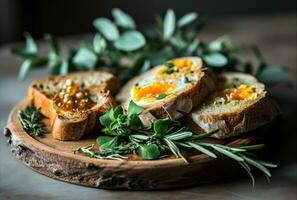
(55,159)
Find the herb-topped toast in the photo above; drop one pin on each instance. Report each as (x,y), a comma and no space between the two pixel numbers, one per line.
(171,90)
(238,105)
(74,101)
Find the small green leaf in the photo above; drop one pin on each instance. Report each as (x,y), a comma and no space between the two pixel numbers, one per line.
(148,151)
(187,19)
(99,43)
(31,46)
(25,68)
(85,58)
(161,126)
(223,43)
(103,139)
(161,96)
(110,144)
(107,28)
(117,111)
(130,41)
(106,119)
(133,108)
(169,24)
(271,75)
(53,42)
(215,59)
(134,120)
(123,19)
(64,69)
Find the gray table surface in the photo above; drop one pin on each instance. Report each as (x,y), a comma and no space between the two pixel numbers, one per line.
(275,35)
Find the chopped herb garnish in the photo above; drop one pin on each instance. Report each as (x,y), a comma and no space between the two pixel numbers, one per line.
(161,96)
(169,71)
(169,64)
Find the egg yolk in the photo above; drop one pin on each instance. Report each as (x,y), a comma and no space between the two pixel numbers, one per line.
(240,93)
(150,92)
(182,63)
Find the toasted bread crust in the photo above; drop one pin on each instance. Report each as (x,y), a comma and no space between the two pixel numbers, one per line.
(69,129)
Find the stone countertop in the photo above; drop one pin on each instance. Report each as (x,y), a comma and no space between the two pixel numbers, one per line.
(276,37)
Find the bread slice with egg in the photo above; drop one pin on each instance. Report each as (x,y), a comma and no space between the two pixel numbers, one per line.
(240,104)
(73,102)
(169,90)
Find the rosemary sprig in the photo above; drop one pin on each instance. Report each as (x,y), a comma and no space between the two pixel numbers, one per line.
(30,118)
(124,135)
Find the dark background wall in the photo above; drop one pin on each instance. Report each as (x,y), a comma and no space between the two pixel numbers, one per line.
(64,17)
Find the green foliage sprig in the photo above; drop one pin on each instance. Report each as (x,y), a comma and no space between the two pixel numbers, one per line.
(124,134)
(30,118)
(127,50)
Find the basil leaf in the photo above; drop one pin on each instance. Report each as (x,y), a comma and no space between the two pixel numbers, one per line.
(85,58)
(148,151)
(187,19)
(133,108)
(99,43)
(215,59)
(123,19)
(134,120)
(161,126)
(130,41)
(107,28)
(117,111)
(106,119)
(110,144)
(169,24)
(103,139)
(271,75)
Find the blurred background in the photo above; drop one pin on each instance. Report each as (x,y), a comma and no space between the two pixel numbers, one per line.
(75,16)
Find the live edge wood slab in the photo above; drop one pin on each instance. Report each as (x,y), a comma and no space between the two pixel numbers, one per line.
(55,159)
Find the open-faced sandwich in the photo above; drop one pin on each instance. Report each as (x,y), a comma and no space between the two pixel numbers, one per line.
(73,102)
(239,104)
(169,90)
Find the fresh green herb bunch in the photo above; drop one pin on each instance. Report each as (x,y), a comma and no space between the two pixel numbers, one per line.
(127,51)
(124,134)
(30,119)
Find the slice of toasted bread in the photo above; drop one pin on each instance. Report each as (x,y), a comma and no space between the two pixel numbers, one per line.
(171,90)
(74,101)
(239,105)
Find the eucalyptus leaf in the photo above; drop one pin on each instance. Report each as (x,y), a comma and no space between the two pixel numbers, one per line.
(215,59)
(123,19)
(25,68)
(169,24)
(85,58)
(107,28)
(64,69)
(99,43)
(53,42)
(148,151)
(31,46)
(271,75)
(187,19)
(130,41)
